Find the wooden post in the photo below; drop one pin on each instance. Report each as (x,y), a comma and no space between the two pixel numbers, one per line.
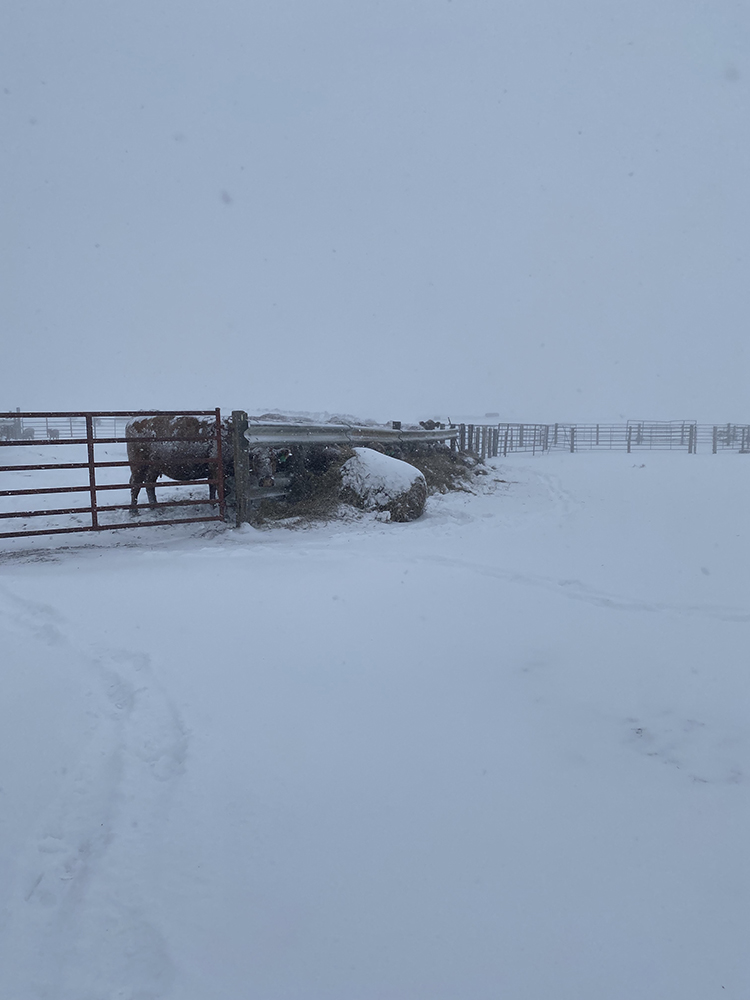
(241,467)
(572,439)
(462,438)
(92,469)
(219,473)
(716,434)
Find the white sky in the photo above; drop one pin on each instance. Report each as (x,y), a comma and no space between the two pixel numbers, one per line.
(394,208)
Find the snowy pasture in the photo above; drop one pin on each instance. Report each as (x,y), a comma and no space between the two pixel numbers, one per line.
(500,752)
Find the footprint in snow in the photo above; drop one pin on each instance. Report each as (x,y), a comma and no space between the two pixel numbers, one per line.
(705,753)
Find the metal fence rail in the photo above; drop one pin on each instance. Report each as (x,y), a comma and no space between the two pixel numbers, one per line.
(493,440)
(89,430)
(40,427)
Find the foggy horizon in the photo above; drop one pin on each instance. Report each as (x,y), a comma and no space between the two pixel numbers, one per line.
(390,210)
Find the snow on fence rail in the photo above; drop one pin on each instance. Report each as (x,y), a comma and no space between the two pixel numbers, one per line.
(492,440)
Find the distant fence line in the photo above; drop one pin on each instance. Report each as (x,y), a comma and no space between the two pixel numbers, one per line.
(484,440)
(21,427)
(494,440)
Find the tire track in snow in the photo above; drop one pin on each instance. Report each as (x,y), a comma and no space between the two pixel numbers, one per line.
(576,590)
(78,926)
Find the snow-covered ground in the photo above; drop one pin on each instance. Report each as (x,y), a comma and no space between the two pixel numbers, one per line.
(500,752)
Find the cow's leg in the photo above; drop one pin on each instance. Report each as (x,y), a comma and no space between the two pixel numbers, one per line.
(141,476)
(134,491)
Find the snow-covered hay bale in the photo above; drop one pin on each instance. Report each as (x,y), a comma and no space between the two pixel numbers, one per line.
(378,482)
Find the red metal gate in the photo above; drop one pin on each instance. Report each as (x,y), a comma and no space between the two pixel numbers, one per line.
(93,431)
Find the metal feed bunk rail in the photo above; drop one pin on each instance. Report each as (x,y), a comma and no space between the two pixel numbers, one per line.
(287,435)
(90,423)
(249,435)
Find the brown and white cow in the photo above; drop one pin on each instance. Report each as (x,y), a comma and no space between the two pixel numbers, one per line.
(157,446)
(180,448)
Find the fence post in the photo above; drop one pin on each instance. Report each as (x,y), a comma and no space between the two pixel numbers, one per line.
(241,466)
(462,438)
(630,432)
(92,468)
(572,439)
(220,478)
(716,434)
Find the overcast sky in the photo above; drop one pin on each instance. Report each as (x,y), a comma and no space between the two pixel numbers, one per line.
(392,208)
